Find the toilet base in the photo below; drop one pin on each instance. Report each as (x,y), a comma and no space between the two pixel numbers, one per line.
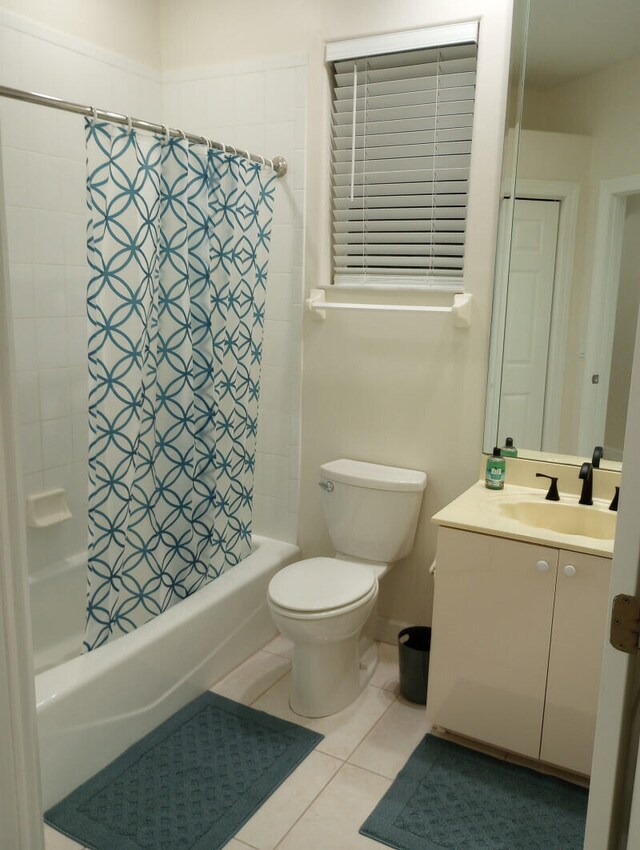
(327,677)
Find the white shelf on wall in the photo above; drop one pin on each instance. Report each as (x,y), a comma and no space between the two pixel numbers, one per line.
(460,310)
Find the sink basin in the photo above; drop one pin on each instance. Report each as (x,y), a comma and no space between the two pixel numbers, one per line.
(579,520)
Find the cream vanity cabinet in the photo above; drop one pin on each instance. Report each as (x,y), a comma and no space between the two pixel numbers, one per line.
(518,632)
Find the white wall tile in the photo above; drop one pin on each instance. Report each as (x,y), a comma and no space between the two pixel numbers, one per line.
(51,341)
(77,278)
(22,298)
(20,234)
(55,400)
(50,290)
(15,169)
(31,440)
(24,339)
(56,442)
(27,396)
(77,340)
(280,93)
(47,235)
(249,99)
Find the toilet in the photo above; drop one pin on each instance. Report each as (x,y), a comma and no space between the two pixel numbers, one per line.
(324,604)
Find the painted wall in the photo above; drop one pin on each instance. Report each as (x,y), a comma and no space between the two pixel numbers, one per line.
(406,390)
(130,29)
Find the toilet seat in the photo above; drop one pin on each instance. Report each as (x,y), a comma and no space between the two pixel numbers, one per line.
(321,586)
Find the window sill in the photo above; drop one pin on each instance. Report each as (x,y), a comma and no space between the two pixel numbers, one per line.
(453,287)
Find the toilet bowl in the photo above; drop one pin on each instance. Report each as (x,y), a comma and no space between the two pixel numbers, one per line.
(323,604)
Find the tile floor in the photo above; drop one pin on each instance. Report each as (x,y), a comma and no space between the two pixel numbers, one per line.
(323,803)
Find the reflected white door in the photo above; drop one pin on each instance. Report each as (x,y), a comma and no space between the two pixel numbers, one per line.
(528,321)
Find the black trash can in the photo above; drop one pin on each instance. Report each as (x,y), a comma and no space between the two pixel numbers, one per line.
(414,644)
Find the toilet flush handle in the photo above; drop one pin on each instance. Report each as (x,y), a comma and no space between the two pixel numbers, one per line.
(326,485)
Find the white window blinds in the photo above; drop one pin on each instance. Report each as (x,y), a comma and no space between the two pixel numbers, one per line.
(402,127)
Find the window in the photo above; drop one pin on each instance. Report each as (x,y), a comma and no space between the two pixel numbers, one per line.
(402,122)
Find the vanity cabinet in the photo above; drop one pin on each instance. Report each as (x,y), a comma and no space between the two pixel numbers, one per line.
(518,632)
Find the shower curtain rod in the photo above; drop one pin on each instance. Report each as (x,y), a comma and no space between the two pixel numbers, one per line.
(277,163)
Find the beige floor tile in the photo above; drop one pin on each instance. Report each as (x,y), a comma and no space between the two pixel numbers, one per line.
(386,673)
(343,731)
(333,820)
(54,840)
(280,645)
(279,813)
(389,744)
(251,679)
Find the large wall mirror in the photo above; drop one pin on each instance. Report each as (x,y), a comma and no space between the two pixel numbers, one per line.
(567,284)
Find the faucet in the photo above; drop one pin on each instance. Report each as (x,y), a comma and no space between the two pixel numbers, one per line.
(586,474)
(598,452)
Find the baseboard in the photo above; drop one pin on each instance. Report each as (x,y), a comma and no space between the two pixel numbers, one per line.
(387,630)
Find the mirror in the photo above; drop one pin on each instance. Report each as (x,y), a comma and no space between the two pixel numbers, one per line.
(567,282)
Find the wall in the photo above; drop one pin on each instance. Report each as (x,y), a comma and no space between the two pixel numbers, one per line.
(43,161)
(406,390)
(129,29)
(43,158)
(261,106)
(596,106)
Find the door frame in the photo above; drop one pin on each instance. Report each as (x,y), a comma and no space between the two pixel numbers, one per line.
(612,768)
(568,194)
(607,257)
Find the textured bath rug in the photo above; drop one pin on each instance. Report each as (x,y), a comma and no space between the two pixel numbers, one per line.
(447,796)
(188,785)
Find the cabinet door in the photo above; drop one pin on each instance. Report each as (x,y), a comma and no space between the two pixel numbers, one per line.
(490,646)
(577,644)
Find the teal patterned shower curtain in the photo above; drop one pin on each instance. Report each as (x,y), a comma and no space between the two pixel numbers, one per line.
(178,244)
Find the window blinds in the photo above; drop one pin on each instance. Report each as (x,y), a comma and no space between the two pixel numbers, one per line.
(402,127)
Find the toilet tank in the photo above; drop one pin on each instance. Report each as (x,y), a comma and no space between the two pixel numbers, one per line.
(371,510)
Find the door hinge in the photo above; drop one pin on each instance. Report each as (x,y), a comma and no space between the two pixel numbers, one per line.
(625,623)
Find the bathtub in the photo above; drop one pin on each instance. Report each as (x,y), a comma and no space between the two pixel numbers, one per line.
(92,707)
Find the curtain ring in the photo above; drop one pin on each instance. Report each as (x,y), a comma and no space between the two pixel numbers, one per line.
(183,135)
(94,114)
(165,131)
(129,124)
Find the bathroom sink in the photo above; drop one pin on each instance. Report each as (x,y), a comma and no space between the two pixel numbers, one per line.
(579,520)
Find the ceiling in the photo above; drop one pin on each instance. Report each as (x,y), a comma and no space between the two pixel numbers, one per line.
(571,38)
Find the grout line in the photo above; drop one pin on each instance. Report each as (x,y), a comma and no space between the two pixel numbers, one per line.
(302,814)
(274,683)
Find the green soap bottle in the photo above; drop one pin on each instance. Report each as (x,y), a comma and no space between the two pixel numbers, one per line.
(496,466)
(509,450)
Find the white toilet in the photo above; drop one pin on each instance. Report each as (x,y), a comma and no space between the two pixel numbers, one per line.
(323,604)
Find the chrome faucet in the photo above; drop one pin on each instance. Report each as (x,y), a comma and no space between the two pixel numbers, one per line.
(586,474)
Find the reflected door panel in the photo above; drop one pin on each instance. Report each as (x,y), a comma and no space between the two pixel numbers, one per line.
(528,321)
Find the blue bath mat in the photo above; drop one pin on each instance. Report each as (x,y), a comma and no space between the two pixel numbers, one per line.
(188,785)
(447,796)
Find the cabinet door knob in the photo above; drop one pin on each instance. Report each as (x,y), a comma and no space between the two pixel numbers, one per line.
(569,570)
(542,566)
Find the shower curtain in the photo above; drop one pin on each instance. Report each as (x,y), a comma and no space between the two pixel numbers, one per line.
(178,244)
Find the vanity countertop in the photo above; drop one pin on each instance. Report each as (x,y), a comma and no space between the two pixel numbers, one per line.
(479,509)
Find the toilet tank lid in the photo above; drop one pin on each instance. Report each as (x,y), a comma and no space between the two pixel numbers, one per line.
(373,475)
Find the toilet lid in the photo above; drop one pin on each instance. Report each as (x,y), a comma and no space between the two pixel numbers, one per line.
(320,584)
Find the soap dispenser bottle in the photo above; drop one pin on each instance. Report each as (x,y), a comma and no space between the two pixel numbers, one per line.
(509,450)
(495,474)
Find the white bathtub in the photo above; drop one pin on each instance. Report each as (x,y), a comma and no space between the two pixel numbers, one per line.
(92,707)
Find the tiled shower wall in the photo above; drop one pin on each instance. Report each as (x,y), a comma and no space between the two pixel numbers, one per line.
(261,106)
(44,182)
